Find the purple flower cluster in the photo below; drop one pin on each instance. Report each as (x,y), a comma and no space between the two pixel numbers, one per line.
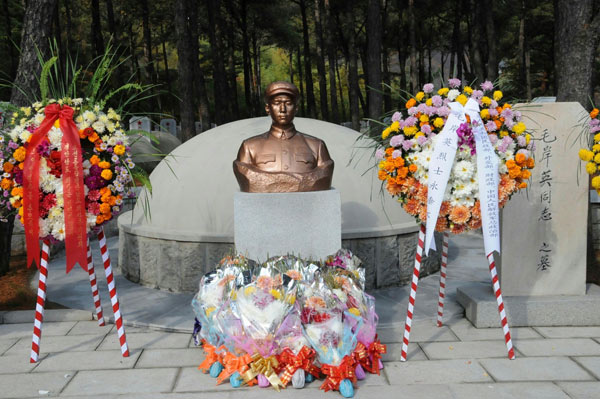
(466,137)
(94,181)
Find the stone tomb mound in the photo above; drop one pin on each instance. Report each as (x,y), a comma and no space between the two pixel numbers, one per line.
(188,223)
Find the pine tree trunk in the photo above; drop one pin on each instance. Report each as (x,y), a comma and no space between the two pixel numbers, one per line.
(321,60)
(353,89)
(96,29)
(331,56)
(490,29)
(339,85)
(374,33)
(9,42)
(246,58)
(148,41)
(310,92)
(576,38)
(165,58)
(198,82)
(219,75)
(112,23)
(414,77)
(37,25)
(478,24)
(301,84)
(185,36)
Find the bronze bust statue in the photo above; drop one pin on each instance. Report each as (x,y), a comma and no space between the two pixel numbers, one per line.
(283,159)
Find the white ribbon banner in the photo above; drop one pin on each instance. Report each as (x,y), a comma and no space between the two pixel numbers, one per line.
(487,174)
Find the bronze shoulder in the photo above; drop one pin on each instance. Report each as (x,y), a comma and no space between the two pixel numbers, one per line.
(312,140)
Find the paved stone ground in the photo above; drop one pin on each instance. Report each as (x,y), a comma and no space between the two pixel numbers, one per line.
(80,359)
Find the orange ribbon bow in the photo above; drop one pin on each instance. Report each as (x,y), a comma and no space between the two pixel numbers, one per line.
(304,360)
(233,363)
(211,356)
(376,349)
(336,374)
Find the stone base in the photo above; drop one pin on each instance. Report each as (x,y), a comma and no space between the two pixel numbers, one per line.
(481,308)
(306,224)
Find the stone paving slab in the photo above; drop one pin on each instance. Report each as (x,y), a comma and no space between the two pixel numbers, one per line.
(154,340)
(581,390)
(558,347)
(90,328)
(193,380)
(435,372)
(394,351)
(33,385)
(22,330)
(50,315)
(188,357)
(2,312)
(535,369)
(467,332)
(464,350)
(95,360)
(545,390)
(5,344)
(568,332)
(96,382)
(11,364)
(423,330)
(591,364)
(75,343)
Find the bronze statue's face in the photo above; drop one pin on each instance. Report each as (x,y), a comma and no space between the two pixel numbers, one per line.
(282,109)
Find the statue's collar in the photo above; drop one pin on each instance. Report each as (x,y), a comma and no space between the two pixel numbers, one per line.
(283,133)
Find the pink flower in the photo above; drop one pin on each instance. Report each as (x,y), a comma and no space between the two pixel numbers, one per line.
(436,101)
(396,154)
(396,117)
(477,94)
(454,83)
(94,195)
(396,140)
(428,87)
(94,208)
(380,153)
(487,86)
(491,126)
(426,129)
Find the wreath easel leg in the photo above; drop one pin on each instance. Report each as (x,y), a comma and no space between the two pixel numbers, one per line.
(501,310)
(40,304)
(442,292)
(94,285)
(413,293)
(112,289)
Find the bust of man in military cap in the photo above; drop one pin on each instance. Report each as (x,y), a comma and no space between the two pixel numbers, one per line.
(283,159)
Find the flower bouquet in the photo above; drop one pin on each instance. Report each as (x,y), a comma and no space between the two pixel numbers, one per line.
(324,327)
(408,145)
(590,155)
(262,307)
(73,157)
(297,356)
(215,288)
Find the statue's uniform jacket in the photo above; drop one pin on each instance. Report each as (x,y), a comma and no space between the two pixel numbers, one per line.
(280,150)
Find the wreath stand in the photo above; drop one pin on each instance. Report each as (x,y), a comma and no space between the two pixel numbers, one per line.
(442,294)
(41,296)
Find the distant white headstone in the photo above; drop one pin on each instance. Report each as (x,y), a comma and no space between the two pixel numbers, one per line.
(198,127)
(169,125)
(544,229)
(140,123)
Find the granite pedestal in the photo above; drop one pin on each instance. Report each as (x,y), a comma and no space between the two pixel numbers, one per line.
(524,311)
(306,224)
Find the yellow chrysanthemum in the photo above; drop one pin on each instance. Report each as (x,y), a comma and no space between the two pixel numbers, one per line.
(498,95)
(386,133)
(443,91)
(503,133)
(527,138)
(424,118)
(462,99)
(276,294)
(119,149)
(586,155)
(486,101)
(468,90)
(597,138)
(591,168)
(395,126)
(596,182)
(485,113)
(20,154)
(438,122)
(429,102)
(410,130)
(597,158)
(596,148)
(420,96)
(519,128)
(106,174)
(419,134)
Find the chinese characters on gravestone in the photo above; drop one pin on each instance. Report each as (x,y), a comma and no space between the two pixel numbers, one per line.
(545,183)
(544,235)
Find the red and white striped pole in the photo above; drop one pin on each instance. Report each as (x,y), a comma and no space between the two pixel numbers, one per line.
(498,294)
(41,302)
(442,294)
(113,293)
(413,293)
(94,285)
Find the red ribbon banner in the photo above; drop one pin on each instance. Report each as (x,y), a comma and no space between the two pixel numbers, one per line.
(74,198)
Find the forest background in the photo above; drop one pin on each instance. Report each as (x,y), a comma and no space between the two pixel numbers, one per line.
(210,60)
